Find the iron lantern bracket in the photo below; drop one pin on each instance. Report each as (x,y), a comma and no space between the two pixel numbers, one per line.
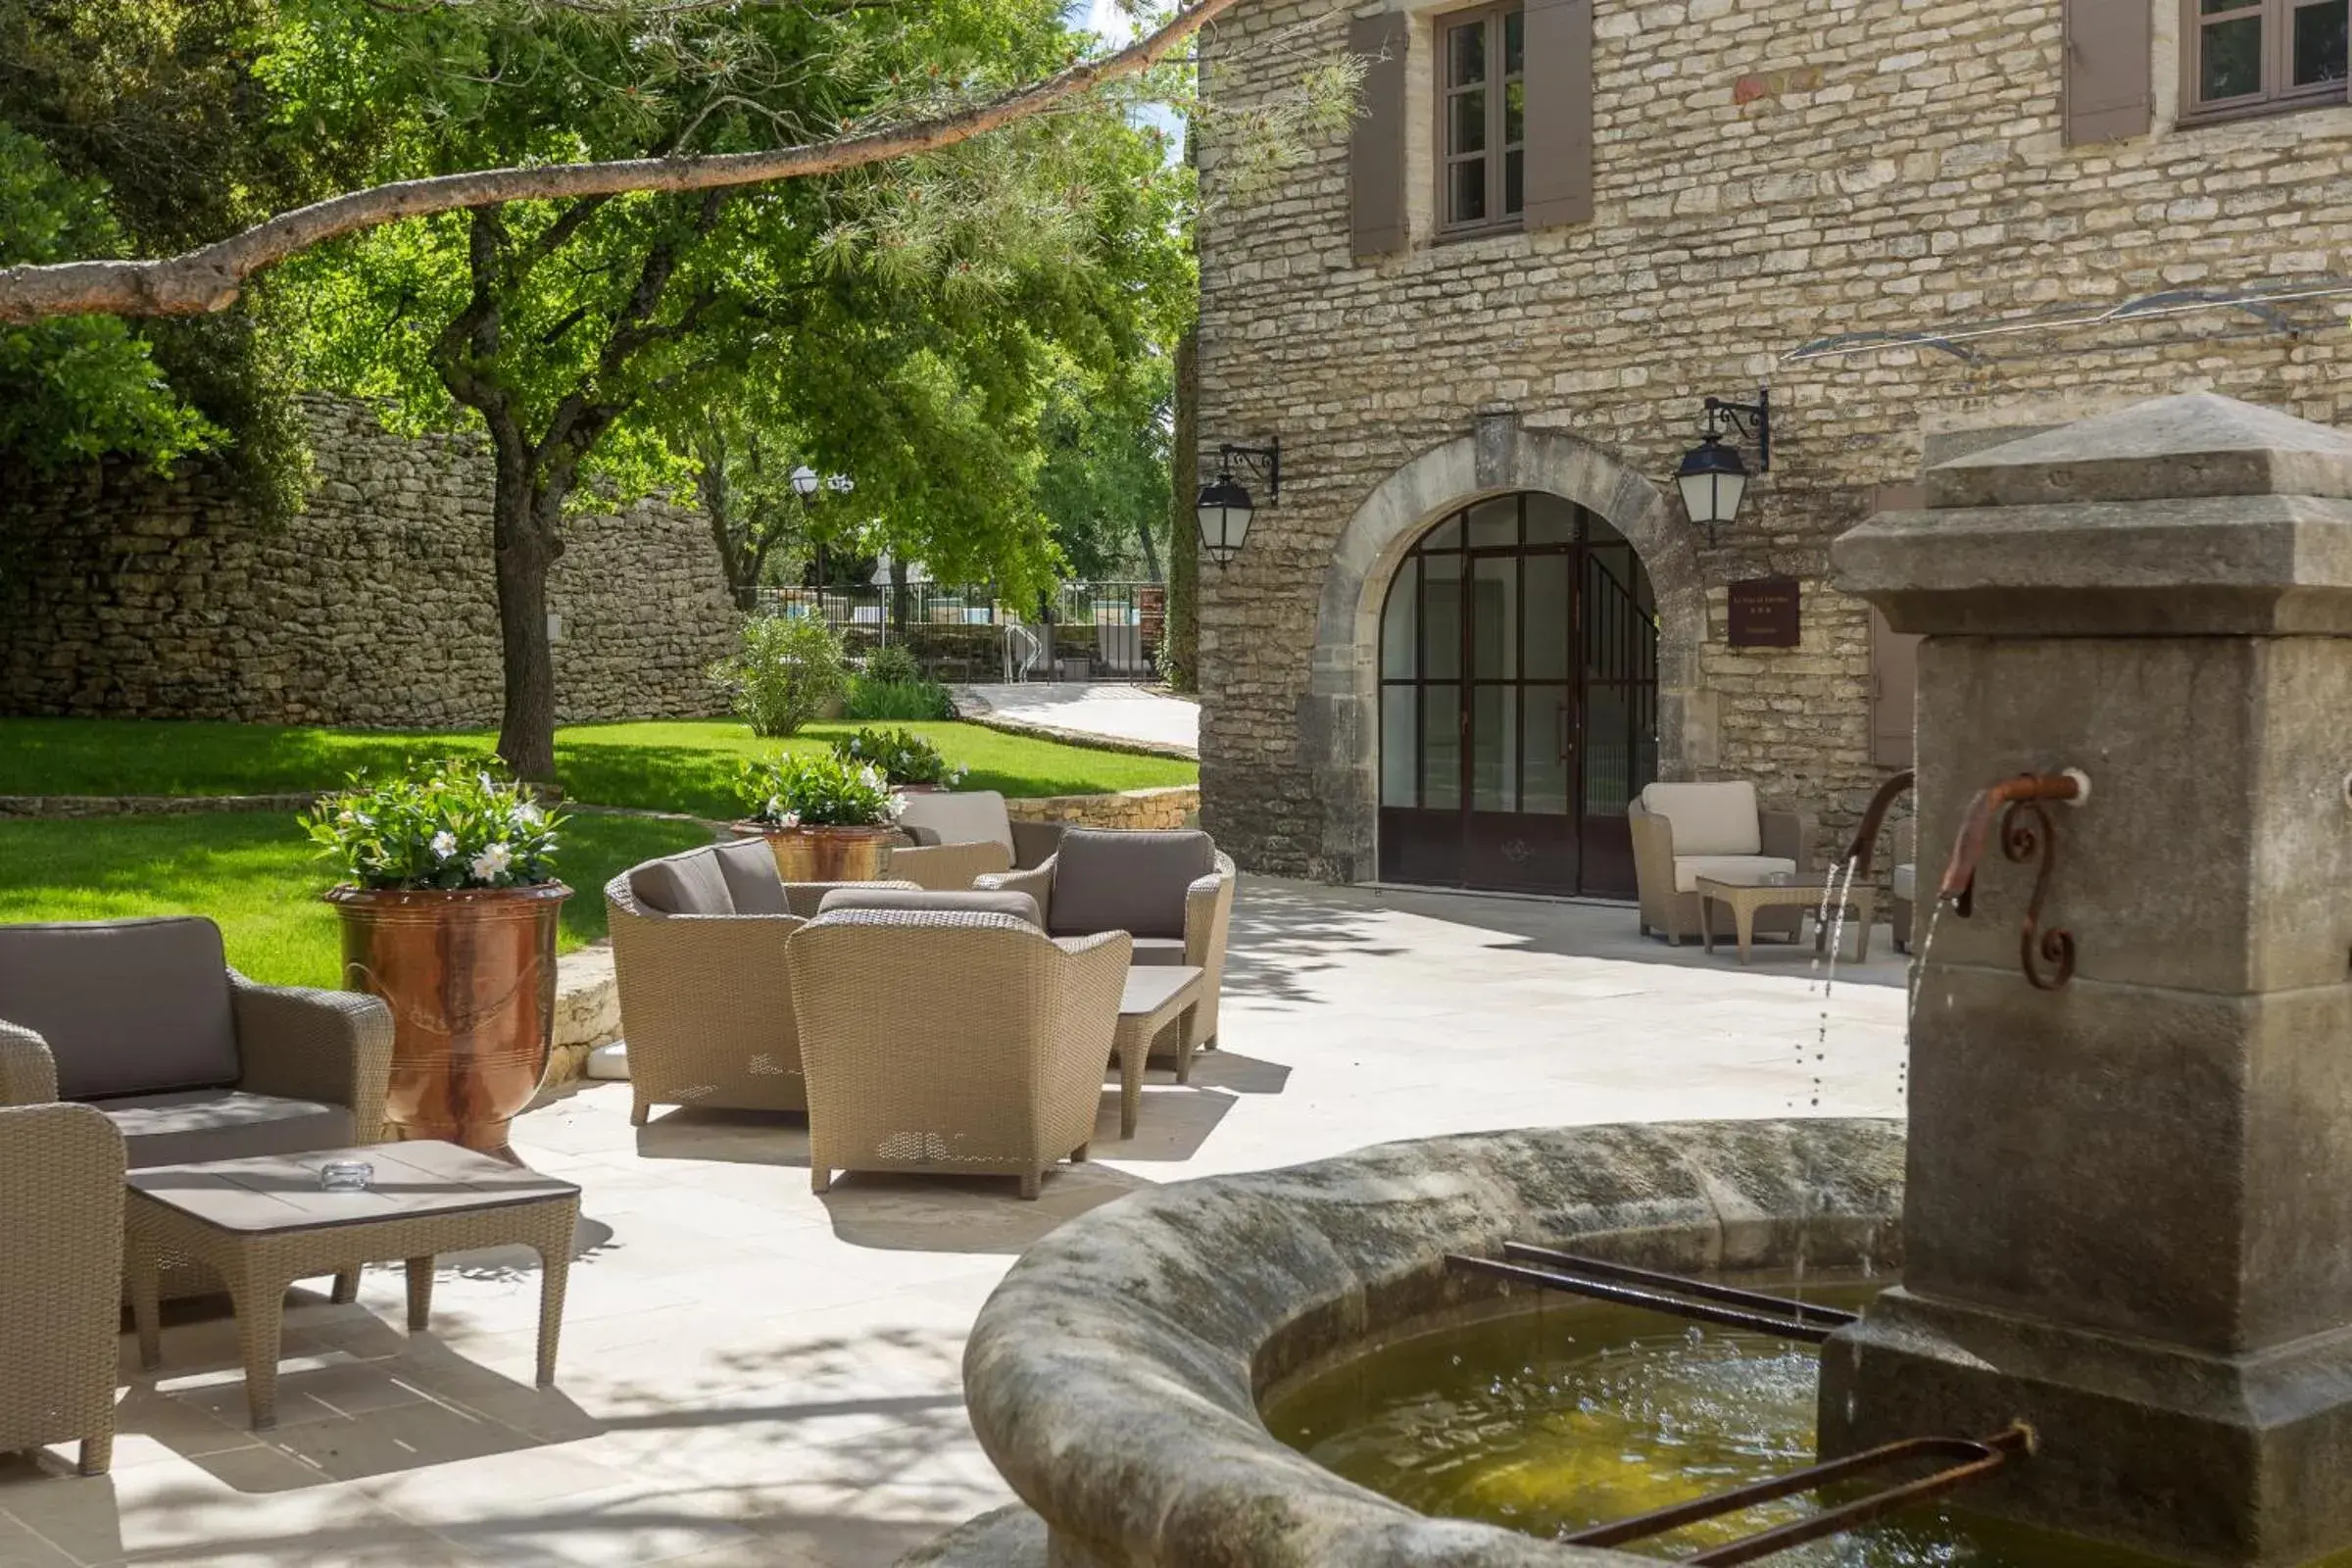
(1753,420)
(1263,464)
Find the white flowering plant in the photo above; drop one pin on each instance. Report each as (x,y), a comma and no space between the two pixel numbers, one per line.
(902,756)
(446,826)
(816,791)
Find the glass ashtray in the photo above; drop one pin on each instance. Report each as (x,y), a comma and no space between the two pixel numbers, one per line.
(346,1176)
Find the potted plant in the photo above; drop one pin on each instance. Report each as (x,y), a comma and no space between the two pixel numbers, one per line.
(449,905)
(908,762)
(826,819)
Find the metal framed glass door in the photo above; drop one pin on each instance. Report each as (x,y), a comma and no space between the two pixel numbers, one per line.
(1518,702)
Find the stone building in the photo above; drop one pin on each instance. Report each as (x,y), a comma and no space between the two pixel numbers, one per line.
(123,594)
(1481,323)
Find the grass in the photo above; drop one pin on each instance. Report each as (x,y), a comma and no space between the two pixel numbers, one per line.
(257,875)
(685,766)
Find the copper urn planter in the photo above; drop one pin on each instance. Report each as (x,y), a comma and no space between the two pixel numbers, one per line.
(824,854)
(470,979)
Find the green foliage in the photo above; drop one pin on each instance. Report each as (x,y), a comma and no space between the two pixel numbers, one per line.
(790,669)
(671,766)
(896,700)
(77,388)
(260,882)
(904,757)
(816,790)
(1104,484)
(893,665)
(447,826)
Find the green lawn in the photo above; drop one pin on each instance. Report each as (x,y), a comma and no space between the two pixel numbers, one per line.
(258,876)
(674,766)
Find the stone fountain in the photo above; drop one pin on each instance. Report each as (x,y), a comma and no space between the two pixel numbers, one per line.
(2128,1215)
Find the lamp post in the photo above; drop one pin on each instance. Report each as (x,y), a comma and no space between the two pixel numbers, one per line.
(1225,509)
(1713,478)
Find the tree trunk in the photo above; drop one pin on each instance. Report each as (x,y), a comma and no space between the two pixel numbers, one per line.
(1181,663)
(525,550)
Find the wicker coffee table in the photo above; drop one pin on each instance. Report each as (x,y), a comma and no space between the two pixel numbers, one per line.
(1158,996)
(1804,892)
(261,1224)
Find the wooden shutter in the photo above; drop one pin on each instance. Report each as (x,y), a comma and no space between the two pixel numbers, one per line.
(1559,113)
(1376,153)
(2109,64)
(1893,693)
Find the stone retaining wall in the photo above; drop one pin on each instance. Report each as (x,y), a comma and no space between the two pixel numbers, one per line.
(127,595)
(84,805)
(1177,806)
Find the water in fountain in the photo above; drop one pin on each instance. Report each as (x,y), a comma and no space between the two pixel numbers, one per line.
(1579,1414)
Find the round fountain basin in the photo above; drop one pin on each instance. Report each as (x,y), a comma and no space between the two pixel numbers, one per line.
(1115,1377)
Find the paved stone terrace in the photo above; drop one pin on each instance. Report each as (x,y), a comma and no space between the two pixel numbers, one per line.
(755,1376)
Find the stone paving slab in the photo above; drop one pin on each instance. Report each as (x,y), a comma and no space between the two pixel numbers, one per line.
(751,1374)
(1090,710)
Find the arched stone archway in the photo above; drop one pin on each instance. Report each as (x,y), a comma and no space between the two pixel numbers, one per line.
(1340,729)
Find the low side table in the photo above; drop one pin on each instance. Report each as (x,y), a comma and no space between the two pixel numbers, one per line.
(1744,899)
(1158,996)
(261,1224)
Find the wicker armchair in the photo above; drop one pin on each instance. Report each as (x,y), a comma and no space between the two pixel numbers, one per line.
(144,1021)
(1902,909)
(1171,891)
(1682,832)
(61,1278)
(960,836)
(999,1074)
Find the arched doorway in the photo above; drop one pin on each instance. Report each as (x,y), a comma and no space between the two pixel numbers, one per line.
(1519,701)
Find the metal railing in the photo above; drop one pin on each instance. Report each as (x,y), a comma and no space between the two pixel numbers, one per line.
(1084,631)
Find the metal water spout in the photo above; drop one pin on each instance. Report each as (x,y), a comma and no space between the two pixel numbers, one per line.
(1975,825)
(1874,817)
(2027,832)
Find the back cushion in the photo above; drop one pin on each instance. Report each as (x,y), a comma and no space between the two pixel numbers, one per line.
(683,884)
(1105,880)
(754,885)
(1020,906)
(127,1006)
(958,816)
(1709,818)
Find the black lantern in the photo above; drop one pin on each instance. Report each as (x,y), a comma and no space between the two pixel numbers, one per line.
(1713,477)
(1225,509)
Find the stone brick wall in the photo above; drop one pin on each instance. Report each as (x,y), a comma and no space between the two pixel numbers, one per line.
(127,595)
(1174,806)
(1903,170)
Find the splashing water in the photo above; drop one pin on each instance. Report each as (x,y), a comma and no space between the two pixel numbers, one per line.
(1919,976)
(1836,896)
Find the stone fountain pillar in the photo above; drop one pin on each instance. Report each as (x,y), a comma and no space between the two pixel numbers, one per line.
(2129,1213)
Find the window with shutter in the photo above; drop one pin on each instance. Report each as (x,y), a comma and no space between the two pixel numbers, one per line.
(2261,56)
(1482,119)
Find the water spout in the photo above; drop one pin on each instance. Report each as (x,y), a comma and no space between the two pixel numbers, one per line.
(1975,826)
(1866,836)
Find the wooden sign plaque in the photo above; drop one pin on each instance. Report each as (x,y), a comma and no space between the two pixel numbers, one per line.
(1764,612)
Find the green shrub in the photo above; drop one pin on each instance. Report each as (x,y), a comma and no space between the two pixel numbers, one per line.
(789,668)
(893,665)
(446,826)
(800,789)
(897,701)
(904,757)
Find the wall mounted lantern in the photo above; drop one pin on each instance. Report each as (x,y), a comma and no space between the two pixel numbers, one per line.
(1225,508)
(1713,477)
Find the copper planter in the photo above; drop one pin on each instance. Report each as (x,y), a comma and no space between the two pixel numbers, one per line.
(470,979)
(824,854)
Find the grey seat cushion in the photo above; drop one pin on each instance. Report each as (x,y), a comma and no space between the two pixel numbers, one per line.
(1020,906)
(127,1006)
(1156,952)
(1106,880)
(186,1128)
(683,884)
(753,884)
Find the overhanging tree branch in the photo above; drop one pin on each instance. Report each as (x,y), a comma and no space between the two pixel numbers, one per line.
(210,278)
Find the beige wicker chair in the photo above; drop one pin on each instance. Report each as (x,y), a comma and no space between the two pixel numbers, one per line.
(958,835)
(144,1021)
(1902,909)
(1727,834)
(1001,1073)
(1150,885)
(61,1278)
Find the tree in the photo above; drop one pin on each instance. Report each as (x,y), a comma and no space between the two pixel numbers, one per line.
(1103,480)
(912,310)
(1180,651)
(744,478)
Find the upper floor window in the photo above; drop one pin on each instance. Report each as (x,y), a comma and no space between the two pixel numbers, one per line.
(1483,117)
(2254,55)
